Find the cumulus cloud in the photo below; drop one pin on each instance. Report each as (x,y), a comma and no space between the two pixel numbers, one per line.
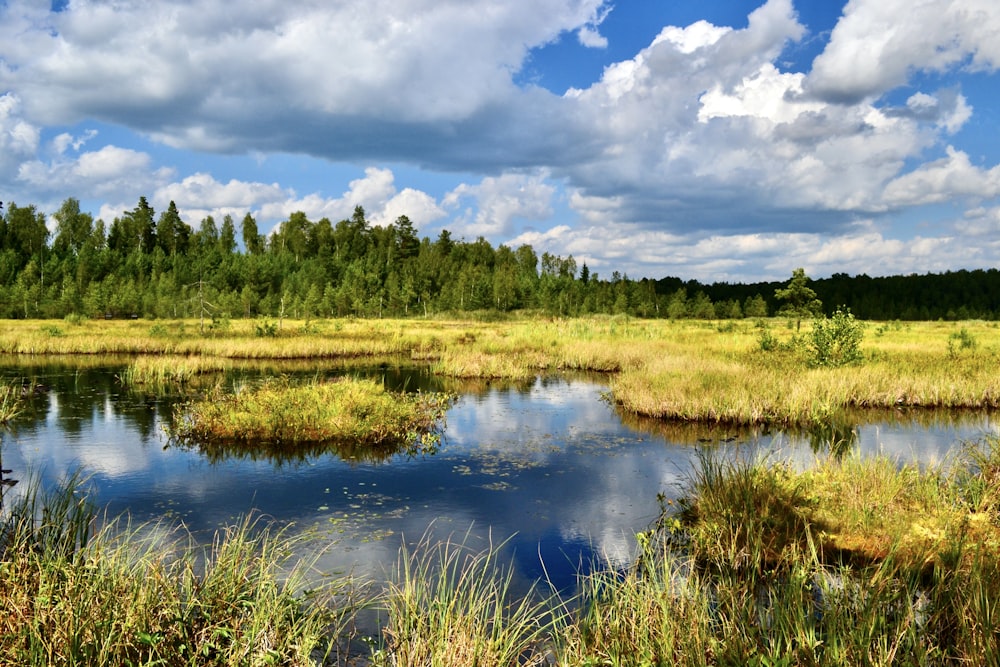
(701,141)
(107,172)
(878,44)
(943,180)
(18,138)
(491,207)
(981,223)
(201,195)
(196,72)
(755,256)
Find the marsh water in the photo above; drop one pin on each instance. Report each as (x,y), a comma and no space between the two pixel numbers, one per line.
(546,467)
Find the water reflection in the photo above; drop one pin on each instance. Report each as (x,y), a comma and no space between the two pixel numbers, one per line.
(544,464)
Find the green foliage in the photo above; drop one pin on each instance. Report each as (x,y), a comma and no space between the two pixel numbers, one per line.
(767,341)
(961,341)
(140,264)
(801,300)
(266,329)
(836,341)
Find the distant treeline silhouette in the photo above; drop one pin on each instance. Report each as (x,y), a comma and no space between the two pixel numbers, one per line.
(148,265)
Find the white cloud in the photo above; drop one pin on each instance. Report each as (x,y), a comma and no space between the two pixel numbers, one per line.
(418,206)
(18,138)
(944,180)
(877,44)
(981,223)
(110,171)
(411,60)
(592,39)
(696,36)
(200,195)
(375,192)
(498,201)
(589,34)
(65,141)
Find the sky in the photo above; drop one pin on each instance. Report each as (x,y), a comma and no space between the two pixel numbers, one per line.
(720,140)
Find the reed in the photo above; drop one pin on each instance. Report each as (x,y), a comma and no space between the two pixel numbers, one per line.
(10,400)
(160,373)
(450,605)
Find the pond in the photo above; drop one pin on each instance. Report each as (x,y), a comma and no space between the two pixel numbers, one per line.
(547,467)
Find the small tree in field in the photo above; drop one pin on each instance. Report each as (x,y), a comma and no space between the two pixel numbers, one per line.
(801,300)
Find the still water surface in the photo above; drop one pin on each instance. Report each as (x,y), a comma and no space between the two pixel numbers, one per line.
(546,465)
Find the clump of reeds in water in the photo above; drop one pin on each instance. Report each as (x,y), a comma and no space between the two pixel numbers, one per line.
(170,373)
(73,592)
(451,605)
(346,409)
(11,395)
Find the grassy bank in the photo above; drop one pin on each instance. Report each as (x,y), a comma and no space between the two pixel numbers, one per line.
(73,593)
(356,411)
(733,372)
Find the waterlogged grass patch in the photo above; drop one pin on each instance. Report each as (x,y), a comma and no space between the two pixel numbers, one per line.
(345,410)
(751,515)
(164,373)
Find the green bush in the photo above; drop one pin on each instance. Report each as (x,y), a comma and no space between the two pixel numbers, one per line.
(836,341)
(961,341)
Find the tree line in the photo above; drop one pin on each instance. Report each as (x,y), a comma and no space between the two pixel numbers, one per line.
(145,264)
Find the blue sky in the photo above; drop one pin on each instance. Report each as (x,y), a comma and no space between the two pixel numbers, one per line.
(720,140)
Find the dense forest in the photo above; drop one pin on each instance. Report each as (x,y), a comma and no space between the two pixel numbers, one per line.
(149,265)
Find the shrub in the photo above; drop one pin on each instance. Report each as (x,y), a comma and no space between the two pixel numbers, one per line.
(266,329)
(767,341)
(836,341)
(960,341)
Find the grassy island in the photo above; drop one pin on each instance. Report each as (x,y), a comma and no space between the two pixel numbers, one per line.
(342,410)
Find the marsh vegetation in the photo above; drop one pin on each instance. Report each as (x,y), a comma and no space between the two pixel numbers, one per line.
(737,372)
(848,560)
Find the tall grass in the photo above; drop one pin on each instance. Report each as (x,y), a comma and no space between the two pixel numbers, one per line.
(760,566)
(757,564)
(449,605)
(75,593)
(10,401)
(166,373)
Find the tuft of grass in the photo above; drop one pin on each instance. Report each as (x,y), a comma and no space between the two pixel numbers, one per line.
(746,516)
(450,605)
(763,565)
(11,402)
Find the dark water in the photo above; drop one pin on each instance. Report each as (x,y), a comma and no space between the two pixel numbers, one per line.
(545,465)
